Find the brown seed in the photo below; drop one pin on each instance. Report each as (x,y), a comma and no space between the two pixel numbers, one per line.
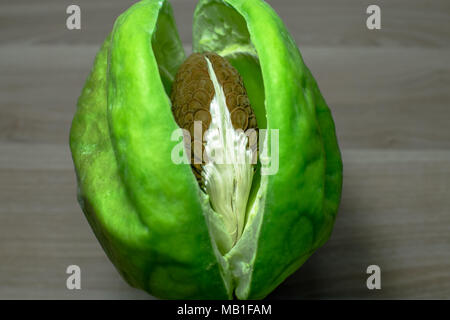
(202,96)
(231,101)
(204,116)
(192,94)
(252,122)
(188,117)
(242,100)
(239,89)
(195,105)
(239,118)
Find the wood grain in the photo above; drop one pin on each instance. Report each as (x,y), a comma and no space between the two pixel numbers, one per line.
(388,91)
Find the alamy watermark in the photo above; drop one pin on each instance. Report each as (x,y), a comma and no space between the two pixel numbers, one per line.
(264,144)
(374,280)
(373,21)
(73,21)
(73,281)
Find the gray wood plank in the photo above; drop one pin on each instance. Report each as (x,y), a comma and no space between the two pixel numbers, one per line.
(394,213)
(324,23)
(381,98)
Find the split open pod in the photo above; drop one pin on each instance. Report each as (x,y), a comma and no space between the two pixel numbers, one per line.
(208,229)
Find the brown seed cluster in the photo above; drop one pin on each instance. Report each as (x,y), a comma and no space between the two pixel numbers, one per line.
(193,91)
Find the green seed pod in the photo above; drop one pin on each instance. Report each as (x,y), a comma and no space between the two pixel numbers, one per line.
(245,227)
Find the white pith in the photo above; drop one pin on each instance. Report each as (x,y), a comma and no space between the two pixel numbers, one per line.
(228,172)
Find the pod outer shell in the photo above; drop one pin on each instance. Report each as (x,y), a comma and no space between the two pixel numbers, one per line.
(143,209)
(146,211)
(304,195)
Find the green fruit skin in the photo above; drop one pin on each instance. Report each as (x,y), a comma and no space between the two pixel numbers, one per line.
(303,197)
(143,209)
(146,211)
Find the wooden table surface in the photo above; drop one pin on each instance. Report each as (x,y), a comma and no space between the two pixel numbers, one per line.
(389,93)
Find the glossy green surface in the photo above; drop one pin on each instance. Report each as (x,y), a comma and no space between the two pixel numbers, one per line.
(147,212)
